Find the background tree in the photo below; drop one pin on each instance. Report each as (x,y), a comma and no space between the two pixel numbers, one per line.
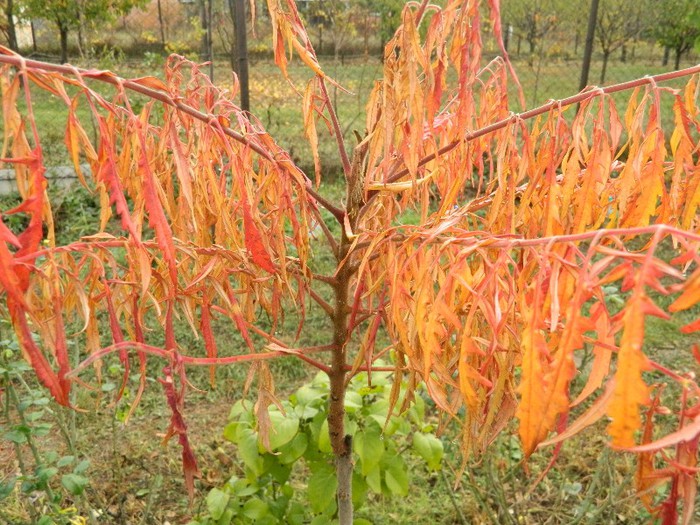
(619,21)
(678,27)
(74,14)
(8,24)
(486,245)
(533,19)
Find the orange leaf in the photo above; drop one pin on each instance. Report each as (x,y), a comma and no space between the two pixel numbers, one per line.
(532,386)
(690,295)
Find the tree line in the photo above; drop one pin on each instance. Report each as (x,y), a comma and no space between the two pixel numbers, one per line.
(532,27)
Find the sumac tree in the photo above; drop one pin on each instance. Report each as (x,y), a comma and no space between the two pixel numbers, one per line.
(522,226)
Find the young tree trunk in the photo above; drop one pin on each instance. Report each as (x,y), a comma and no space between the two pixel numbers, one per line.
(679,53)
(606,57)
(33,29)
(11,31)
(204,40)
(667,54)
(63,32)
(161,25)
(341,444)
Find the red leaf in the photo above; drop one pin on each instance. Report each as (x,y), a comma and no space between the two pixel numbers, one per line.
(179,427)
(254,242)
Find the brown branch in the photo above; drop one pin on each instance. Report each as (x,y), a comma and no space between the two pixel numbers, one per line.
(321,302)
(327,233)
(324,279)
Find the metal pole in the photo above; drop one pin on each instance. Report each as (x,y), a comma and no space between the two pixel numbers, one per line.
(588,52)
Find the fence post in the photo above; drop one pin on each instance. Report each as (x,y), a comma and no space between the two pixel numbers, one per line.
(241,51)
(588,52)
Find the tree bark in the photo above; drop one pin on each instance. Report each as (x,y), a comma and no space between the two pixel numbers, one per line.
(31,25)
(341,444)
(677,63)
(11,31)
(63,31)
(667,54)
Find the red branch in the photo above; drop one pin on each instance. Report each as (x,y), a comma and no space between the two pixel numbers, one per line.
(548,106)
(208,118)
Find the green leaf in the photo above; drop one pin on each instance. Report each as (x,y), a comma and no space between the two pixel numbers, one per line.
(248,450)
(282,429)
(294,449)
(353,401)
(7,487)
(231,431)
(305,412)
(255,508)
(82,466)
(322,486)
(279,472)
(324,439)
(42,429)
(217,500)
(34,416)
(374,480)
(15,436)
(307,395)
(65,460)
(359,490)
(396,476)
(361,521)
(296,514)
(369,445)
(74,483)
(227,517)
(46,473)
(430,448)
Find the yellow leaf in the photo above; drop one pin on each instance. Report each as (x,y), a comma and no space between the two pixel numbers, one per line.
(630,390)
